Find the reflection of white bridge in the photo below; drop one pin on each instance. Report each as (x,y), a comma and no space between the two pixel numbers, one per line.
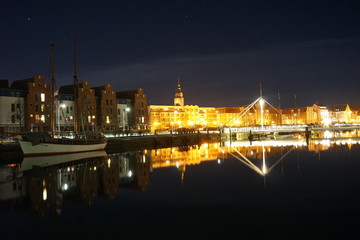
(278,128)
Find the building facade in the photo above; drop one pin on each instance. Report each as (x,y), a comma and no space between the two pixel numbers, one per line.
(138,114)
(37,103)
(106,108)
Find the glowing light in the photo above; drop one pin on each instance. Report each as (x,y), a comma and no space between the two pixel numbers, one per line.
(143,159)
(44,194)
(328,134)
(109,162)
(261,101)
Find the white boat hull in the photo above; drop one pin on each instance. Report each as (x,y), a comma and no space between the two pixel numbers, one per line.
(44,149)
(47,161)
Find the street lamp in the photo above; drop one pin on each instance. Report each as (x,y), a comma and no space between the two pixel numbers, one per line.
(125,116)
(60,107)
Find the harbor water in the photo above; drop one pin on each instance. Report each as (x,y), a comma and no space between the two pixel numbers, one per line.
(288,189)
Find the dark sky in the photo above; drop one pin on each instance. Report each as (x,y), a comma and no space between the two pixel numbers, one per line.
(221,50)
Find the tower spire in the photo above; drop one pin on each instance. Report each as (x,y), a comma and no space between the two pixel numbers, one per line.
(179,96)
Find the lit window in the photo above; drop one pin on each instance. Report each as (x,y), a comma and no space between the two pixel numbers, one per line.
(107,119)
(42,118)
(42,96)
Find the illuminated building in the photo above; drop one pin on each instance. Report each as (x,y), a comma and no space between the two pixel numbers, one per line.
(171,118)
(355,114)
(340,113)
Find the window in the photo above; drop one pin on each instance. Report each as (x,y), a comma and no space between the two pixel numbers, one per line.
(12,118)
(36,108)
(13,107)
(42,107)
(18,106)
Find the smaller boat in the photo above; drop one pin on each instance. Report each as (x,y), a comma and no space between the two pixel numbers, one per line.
(43,144)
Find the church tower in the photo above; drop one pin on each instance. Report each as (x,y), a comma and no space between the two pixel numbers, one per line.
(179,96)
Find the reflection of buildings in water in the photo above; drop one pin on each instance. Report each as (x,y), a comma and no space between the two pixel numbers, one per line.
(192,155)
(134,169)
(45,188)
(180,157)
(11,187)
(256,155)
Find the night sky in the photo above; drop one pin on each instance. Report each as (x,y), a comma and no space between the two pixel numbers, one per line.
(221,50)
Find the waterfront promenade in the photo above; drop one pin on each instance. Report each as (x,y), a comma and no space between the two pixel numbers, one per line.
(134,142)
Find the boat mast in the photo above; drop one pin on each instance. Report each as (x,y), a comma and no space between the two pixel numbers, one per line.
(76,86)
(53,89)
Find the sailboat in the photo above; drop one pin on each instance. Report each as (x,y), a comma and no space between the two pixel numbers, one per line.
(45,144)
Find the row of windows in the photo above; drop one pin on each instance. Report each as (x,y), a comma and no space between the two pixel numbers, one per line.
(40,96)
(14,118)
(109,101)
(13,106)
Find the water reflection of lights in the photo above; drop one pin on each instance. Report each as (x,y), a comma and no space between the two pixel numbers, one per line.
(242,150)
(247,162)
(65,187)
(271,143)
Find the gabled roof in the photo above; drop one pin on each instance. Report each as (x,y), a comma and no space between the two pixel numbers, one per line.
(337,108)
(355,108)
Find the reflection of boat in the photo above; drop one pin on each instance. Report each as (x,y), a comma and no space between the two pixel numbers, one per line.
(45,161)
(42,144)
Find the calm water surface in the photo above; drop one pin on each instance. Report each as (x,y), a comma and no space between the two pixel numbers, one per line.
(284,189)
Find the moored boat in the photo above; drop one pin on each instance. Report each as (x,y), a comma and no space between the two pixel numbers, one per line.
(42,144)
